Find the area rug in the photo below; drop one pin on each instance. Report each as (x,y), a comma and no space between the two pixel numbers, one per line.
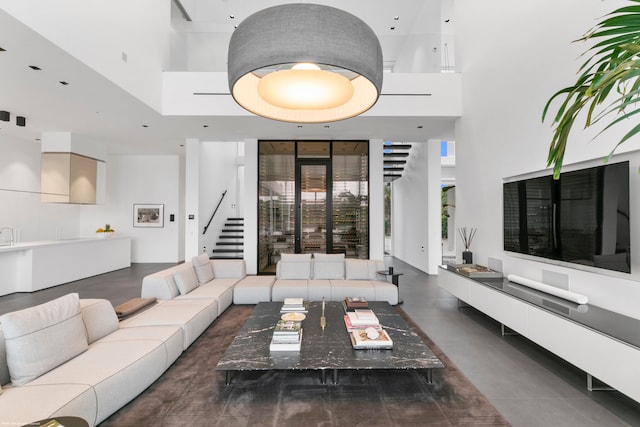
(193,393)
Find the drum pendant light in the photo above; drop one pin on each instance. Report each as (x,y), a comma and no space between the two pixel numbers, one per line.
(305,63)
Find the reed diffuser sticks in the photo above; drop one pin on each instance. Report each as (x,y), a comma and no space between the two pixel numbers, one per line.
(467,237)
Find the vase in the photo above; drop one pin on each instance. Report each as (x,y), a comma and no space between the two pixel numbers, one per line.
(467,257)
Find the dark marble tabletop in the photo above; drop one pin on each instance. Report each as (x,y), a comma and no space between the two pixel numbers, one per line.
(325,349)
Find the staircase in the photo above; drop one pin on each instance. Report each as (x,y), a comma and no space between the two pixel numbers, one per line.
(231,240)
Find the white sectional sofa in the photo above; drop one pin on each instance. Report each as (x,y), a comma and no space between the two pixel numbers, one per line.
(73,357)
(332,277)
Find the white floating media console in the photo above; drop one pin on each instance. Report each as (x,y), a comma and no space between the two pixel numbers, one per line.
(613,360)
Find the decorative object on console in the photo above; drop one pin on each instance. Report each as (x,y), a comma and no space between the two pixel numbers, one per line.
(148,215)
(475,271)
(552,290)
(105,232)
(467,238)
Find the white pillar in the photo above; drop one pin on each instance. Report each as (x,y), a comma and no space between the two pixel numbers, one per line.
(376,199)
(434,207)
(250,205)
(192,199)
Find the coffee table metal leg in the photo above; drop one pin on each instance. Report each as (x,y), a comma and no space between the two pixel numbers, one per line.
(335,376)
(429,376)
(323,376)
(227,379)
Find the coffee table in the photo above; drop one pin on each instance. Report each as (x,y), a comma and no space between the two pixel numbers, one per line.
(327,350)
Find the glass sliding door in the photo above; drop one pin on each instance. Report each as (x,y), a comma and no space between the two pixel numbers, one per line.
(313,234)
(276,202)
(350,213)
(313,198)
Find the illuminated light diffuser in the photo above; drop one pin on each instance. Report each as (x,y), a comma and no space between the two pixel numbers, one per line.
(305,63)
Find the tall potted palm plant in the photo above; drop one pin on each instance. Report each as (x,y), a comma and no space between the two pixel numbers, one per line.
(611,73)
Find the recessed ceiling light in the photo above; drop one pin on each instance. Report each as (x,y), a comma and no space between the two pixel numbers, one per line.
(326,126)
(145,126)
(35,67)
(395,18)
(63,83)
(232,16)
(299,126)
(205,126)
(420,127)
(393,28)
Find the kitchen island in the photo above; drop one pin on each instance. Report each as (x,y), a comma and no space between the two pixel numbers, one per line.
(32,266)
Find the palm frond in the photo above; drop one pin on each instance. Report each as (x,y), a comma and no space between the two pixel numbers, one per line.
(612,65)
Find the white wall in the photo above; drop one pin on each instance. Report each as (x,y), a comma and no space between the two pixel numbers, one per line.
(415,213)
(20,196)
(141,180)
(510,69)
(130,179)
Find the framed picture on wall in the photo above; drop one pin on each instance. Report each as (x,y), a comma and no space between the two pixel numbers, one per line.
(148,215)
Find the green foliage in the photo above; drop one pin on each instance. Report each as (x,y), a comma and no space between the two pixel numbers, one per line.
(612,68)
(387,209)
(444,198)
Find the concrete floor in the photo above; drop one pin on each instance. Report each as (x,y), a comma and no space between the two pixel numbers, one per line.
(528,385)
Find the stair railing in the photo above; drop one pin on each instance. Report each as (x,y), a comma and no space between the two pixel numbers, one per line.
(214,212)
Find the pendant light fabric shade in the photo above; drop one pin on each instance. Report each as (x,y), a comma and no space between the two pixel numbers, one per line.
(305,63)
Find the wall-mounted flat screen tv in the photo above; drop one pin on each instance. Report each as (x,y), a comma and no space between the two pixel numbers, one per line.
(581,218)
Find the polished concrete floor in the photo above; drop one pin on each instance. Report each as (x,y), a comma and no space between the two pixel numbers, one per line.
(527,384)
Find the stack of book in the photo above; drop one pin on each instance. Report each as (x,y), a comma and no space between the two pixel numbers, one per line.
(365,330)
(361,318)
(369,339)
(353,303)
(295,305)
(287,336)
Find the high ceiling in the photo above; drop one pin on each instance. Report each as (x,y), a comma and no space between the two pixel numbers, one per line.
(92,108)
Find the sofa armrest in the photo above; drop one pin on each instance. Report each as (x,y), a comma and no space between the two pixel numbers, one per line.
(229,268)
(161,285)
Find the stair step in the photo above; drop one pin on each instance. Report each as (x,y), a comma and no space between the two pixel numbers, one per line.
(235,236)
(235,219)
(231,231)
(225,257)
(227,251)
(229,243)
(233,225)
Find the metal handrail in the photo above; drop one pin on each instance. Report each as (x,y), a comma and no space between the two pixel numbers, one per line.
(214,213)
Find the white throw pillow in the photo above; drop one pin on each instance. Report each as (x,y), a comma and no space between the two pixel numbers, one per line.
(294,266)
(296,257)
(203,267)
(40,338)
(99,318)
(328,266)
(185,280)
(357,269)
